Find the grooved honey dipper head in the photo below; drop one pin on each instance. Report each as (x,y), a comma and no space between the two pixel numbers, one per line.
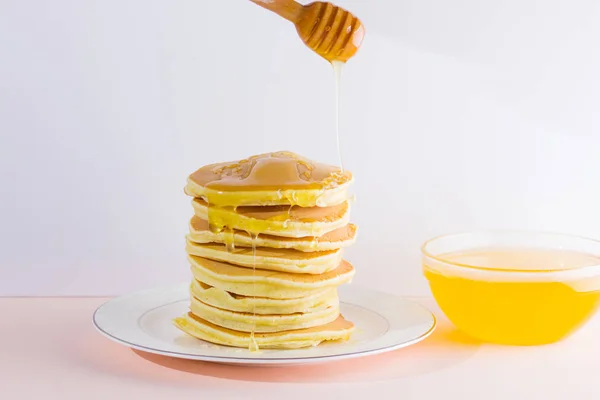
(332,32)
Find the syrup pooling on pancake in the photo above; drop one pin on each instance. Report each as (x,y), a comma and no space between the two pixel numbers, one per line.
(282,178)
(271,171)
(253,346)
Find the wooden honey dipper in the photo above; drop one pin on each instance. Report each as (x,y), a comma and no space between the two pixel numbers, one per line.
(330,31)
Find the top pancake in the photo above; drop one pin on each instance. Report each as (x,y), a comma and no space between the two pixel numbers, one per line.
(280,178)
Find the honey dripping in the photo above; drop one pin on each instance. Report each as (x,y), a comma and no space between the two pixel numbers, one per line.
(229,239)
(253,346)
(214,224)
(217,225)
(337,71)
(289,216)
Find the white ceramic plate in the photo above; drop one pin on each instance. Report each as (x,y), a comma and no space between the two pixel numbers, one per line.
(143,321)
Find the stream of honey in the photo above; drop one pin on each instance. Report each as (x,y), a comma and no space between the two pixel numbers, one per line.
(337,71)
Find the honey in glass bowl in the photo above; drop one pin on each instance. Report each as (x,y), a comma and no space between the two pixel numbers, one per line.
(517,288)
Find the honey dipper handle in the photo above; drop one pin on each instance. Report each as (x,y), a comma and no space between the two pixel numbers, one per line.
(288,9)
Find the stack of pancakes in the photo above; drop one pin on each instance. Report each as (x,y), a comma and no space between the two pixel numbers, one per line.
(265,247)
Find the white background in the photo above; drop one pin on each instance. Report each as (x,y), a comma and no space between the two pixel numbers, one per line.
(456,115)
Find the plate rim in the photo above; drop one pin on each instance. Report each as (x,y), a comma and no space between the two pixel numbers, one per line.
(260,360)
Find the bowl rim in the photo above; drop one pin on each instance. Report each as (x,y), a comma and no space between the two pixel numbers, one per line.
(428,254)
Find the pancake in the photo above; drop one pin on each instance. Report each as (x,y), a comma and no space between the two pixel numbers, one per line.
(336,239)
(286,260)
(262,283)
(250,322)
(340,329)
(270,179)
(263,305)
(286,221)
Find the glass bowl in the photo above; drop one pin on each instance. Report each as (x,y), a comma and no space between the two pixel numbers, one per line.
(517,288)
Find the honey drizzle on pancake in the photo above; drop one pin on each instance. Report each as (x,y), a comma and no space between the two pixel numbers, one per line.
(289,216)
(216,226)
(229,239)
(253,346)
(295,179)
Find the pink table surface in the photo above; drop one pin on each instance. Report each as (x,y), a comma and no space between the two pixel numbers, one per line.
(50,350)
